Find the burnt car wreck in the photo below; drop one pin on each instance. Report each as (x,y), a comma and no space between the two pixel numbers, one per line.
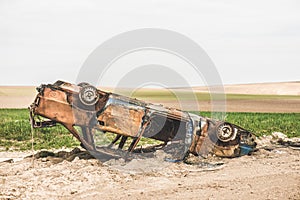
(88,112)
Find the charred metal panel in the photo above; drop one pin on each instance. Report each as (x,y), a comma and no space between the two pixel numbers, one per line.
(162,128)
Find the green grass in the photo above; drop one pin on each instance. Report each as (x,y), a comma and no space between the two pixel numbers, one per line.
(265,123)
(15,131)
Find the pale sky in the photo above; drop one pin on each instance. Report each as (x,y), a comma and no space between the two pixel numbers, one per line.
(249,41)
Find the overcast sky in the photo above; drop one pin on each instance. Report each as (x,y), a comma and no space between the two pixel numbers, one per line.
(249,41)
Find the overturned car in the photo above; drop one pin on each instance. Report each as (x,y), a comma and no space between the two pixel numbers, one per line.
(89,113)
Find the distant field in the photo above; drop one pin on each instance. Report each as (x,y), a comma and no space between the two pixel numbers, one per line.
(234,102)
(16,96)
(200,99)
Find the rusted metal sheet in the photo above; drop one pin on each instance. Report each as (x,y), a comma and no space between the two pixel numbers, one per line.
(92,109)
(121,120)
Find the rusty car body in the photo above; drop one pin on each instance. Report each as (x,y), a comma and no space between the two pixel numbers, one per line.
(84,110)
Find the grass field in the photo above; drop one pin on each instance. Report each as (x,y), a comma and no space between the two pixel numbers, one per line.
(15,133)
(15,130)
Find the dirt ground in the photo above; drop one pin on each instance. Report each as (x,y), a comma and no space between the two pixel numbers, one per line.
(273,172)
